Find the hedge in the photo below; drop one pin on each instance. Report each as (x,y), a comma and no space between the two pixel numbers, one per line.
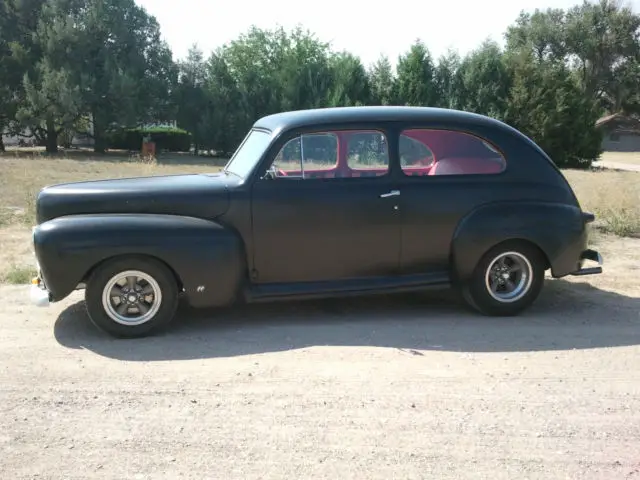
(166,138)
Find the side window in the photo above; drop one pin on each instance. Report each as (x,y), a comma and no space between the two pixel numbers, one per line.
(367,154)
(415,157)
(451,153)
(339,154)
(307,154)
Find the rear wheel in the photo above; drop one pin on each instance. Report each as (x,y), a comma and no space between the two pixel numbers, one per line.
(131,297)
(507,279)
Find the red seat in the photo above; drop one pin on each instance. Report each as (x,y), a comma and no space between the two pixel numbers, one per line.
(466,166)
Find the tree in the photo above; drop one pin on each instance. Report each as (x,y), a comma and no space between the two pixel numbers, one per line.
(541,32)
(6,85)
(349,81)
(484,82)
(124,71)
(52,104)
(547,104)
(50,101)
(191,96)
(382,82)
(19,54)
(227,120)
(415,77)
(601,38)
(624,88)
(306,73)
(597,40)
(263,72)
(447,80)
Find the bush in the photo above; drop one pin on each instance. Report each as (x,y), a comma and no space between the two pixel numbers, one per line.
(19,275)
(548,105)
(166,138)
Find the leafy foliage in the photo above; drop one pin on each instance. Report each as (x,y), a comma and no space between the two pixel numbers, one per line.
(547,104)
(165,138)
(483,82)
(415,81)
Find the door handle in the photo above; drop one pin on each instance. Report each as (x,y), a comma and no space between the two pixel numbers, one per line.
(392,193)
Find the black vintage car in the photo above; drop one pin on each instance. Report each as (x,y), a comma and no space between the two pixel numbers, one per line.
(316,203)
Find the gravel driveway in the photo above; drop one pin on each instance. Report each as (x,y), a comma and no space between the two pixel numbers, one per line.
(401,387)
(628,167)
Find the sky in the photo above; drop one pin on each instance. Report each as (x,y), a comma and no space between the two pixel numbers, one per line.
(365,28)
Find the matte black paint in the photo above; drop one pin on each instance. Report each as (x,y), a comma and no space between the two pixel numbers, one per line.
(204,196)
(351,287)
(200,252)
(272,239)
(350,233)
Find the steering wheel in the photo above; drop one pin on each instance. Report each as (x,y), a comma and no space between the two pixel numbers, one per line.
(274,172)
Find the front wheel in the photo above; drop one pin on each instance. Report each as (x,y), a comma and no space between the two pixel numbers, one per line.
(131,297)
(507,279)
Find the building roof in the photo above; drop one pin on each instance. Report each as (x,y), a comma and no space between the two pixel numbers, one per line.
(620,123)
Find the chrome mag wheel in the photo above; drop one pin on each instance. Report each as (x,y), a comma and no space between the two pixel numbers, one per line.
(509,277)
(131,297)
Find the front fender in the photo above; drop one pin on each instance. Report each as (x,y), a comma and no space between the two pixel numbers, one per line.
(208,259)
(557,229)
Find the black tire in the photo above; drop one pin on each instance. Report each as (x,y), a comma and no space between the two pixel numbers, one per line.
(101,277)
(477,293)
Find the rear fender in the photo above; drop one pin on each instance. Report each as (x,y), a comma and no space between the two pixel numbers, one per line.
(207,258)
(558,230)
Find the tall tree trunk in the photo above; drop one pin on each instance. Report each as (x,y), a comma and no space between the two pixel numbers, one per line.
(2,149)
(99,140)
(52,137)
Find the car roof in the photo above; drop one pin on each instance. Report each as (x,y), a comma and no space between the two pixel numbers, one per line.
(331,115)
(294,119)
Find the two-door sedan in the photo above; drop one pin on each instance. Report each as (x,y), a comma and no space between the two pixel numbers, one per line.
(317,203)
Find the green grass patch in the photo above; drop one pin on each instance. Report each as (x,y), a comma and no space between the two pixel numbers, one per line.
(19,275)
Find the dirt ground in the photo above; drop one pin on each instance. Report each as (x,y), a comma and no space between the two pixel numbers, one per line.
(399,387)
(621,157)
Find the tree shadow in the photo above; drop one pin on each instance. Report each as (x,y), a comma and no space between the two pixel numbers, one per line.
(567,315)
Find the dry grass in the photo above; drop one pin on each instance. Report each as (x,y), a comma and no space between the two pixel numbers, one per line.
(24,173)
(17,275)
(621,157)
(16,256)
(613,196)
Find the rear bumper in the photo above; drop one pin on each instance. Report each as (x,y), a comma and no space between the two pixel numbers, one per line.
(593,256)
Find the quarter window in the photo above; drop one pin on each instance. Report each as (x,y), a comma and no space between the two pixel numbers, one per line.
(447,152)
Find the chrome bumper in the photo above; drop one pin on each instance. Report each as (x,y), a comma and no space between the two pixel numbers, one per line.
(594,257)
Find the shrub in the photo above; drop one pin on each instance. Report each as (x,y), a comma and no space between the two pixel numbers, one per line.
(19,275)
(166,138)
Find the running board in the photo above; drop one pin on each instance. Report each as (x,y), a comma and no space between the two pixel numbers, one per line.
(352,287)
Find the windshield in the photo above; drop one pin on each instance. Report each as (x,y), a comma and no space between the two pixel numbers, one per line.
(249,153)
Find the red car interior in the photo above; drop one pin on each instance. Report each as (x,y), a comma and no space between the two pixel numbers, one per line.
(454,153)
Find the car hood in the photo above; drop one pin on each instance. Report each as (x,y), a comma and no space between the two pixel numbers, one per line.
(202,196)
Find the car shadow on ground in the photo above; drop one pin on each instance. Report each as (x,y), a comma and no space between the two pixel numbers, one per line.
(567,315)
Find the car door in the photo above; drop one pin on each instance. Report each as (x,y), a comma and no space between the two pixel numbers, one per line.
(326,211)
